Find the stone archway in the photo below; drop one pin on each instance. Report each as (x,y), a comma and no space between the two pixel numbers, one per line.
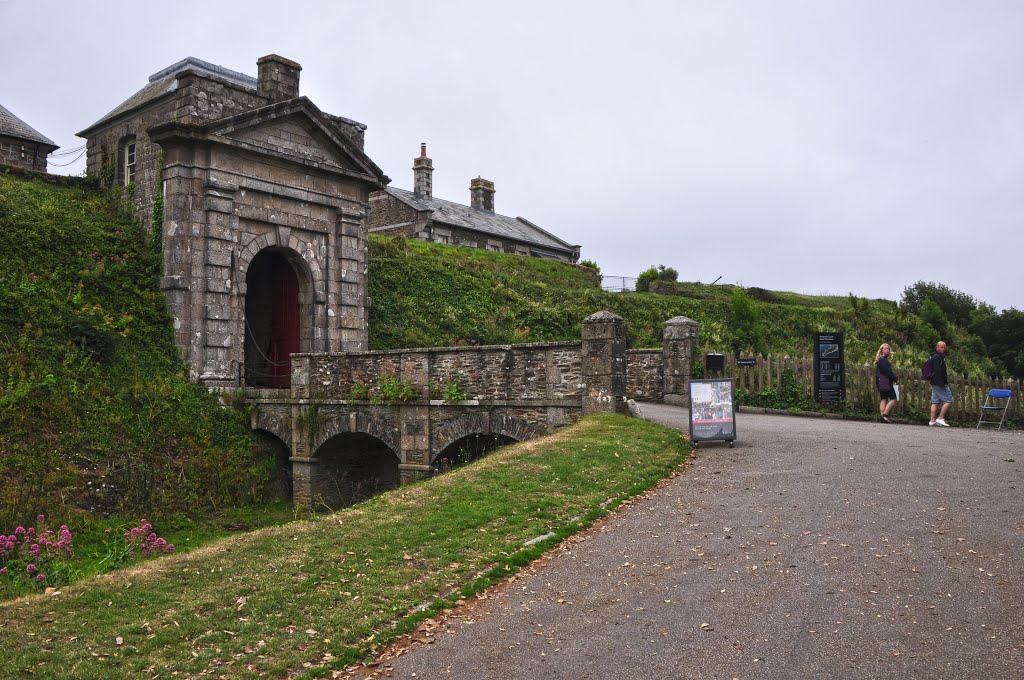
(278,316)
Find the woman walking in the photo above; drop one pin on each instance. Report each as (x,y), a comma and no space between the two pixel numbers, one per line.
(886,380)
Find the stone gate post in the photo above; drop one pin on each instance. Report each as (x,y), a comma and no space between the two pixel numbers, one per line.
(679,339)
(604,363)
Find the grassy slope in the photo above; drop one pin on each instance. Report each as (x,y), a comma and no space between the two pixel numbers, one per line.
(94,411)
(427,294)
(317,591)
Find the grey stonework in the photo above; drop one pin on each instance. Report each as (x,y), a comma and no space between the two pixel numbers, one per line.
(517,391)
(250,167)
(680,337)
(20,153)
(604,363)
(645,374)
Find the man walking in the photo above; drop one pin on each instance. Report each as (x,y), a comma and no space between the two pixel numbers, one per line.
(941,394)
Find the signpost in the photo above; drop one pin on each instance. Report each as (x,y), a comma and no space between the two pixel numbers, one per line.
(712,411)
(829,368)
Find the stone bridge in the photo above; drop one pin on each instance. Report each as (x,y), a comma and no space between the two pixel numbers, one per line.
(354,423)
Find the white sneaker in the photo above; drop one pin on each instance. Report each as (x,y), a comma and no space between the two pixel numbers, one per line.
(931,423)
(941,422)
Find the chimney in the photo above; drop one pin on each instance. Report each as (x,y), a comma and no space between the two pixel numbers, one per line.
(278,78)
(481,194)
(422,172)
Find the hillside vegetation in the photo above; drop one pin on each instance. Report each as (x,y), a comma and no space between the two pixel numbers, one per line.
(427,294)
(96,415)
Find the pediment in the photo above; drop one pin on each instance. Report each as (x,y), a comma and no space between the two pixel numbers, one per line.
(297,131)
(295,137)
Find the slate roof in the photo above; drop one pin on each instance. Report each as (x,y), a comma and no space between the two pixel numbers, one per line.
(12,126)
(165,81)
(466,217)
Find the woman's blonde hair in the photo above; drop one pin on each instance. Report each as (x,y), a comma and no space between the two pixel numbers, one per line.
(880,348)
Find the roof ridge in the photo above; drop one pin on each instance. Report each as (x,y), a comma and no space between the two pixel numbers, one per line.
(195,62)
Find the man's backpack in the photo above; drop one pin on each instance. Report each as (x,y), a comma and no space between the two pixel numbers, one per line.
(928,369)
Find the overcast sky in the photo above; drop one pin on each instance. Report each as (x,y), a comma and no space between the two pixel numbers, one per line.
(806,146)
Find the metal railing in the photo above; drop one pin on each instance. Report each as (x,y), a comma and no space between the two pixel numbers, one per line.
(618,284)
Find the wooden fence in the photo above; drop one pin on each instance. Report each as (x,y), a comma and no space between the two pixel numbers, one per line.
(766,375)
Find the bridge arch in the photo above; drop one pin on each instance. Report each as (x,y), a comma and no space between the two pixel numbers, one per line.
(353,466)
(358,423)
(516,429)
(280,451)
(276,424)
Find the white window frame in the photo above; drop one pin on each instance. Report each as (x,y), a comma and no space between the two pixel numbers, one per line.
(130,165)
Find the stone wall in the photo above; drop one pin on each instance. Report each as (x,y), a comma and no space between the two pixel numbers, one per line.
(645,374)
(198,98)
(385,210)
(22,154)
(547,372)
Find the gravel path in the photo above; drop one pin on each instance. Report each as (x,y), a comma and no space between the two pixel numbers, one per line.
(814,548)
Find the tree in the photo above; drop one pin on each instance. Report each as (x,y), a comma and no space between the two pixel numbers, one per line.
(957,306)
(1005,341)
(748,331)
(659,273)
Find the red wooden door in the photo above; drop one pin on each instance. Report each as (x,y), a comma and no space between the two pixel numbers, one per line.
(284,322)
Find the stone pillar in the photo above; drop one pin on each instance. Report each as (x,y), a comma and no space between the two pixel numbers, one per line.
(680,337)
(414,435)
(347,294)
(305,468)
(604,363)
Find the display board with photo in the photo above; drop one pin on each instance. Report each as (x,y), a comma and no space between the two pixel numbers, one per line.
(712,410)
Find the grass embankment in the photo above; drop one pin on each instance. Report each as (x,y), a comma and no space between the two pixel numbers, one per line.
(96,413)
(327,591)
(427,294)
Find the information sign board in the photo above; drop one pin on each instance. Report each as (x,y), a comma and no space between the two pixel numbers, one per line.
(712,411)
(829,368)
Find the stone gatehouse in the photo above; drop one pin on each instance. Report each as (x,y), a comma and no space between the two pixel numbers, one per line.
(264,200)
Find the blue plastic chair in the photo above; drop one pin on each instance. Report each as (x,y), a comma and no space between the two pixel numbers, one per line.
(995,401)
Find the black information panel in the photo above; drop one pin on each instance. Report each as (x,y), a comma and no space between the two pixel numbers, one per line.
(829,368)
(712,411)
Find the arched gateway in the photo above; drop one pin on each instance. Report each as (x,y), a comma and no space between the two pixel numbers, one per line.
(264,214)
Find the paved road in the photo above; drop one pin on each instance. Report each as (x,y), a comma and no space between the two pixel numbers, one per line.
(814,548)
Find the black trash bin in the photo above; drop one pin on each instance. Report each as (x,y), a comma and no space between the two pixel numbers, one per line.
(714,364)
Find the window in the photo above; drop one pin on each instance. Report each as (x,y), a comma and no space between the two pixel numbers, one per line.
(129,162)
(494,246)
